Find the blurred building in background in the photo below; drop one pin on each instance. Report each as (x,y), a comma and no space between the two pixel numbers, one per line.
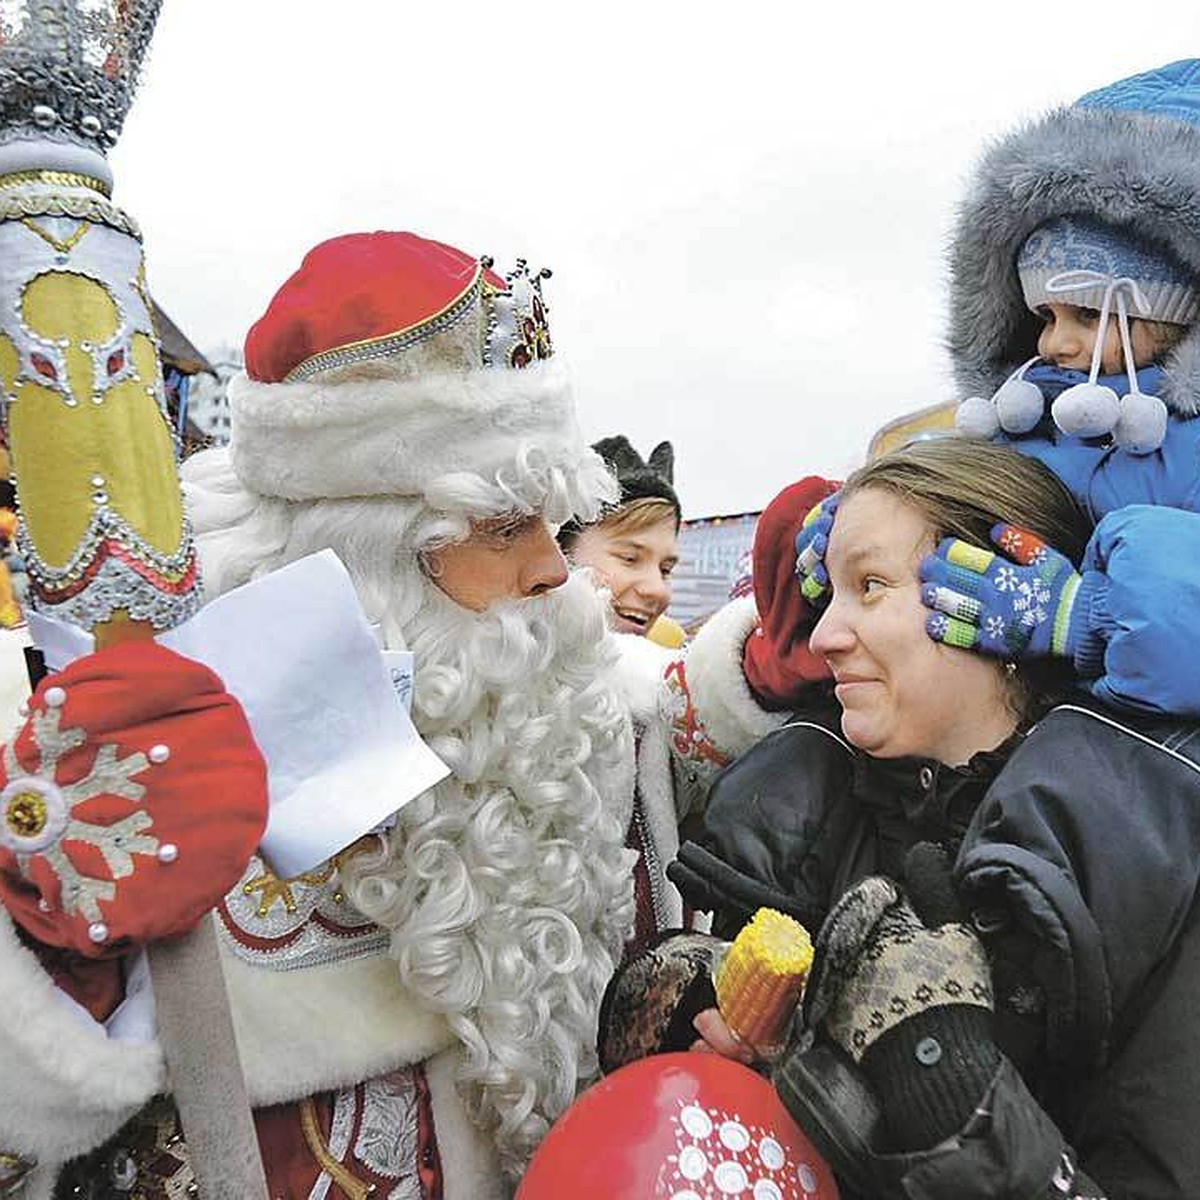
(713,557)
(209,401)
(182,365)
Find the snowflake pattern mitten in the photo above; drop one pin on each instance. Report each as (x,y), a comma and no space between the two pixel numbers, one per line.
(1021,605)
(131,800)
(811,544)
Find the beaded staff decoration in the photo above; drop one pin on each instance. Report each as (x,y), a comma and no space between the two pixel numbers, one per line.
(103,531)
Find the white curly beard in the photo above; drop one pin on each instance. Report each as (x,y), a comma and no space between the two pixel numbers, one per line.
(507,888)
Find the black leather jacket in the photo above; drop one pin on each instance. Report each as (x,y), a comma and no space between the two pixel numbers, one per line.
(1077,850)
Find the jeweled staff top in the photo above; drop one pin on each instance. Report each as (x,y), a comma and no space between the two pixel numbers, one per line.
(103,530)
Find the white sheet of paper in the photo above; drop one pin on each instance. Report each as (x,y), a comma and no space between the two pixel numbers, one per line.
(296,649)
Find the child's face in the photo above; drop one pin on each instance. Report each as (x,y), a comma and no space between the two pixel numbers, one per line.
(1069,337)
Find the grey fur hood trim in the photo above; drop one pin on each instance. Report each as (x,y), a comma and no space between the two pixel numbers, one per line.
(1142,172)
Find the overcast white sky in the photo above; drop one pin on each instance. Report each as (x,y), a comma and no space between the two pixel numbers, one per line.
(745,205)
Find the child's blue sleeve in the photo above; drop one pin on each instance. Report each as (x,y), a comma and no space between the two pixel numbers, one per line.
(1141,598)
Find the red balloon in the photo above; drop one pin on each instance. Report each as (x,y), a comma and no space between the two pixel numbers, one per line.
(678,1127)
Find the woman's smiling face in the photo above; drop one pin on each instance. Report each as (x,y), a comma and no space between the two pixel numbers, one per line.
(901,693)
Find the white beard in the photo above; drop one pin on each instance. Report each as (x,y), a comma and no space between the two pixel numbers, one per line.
(507,888)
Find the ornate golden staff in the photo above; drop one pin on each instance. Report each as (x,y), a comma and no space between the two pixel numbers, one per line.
(103,530)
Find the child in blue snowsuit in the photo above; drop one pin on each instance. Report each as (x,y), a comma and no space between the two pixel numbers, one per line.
(1075,294)
(1082,228)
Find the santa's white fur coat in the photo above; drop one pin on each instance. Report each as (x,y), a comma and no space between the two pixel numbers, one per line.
(671,781)
(68,1086)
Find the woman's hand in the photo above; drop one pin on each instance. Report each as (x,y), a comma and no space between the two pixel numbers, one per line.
(717,1038)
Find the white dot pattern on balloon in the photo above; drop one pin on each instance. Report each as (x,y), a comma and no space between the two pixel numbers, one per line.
(770,1154)
(730,1178)
(734,1136)
(696,1121)
(720,1154)
(692,1163)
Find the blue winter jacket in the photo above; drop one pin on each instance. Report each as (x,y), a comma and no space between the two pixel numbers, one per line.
(1141,592)
(1103,478)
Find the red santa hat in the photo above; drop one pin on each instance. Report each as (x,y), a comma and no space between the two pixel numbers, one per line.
(388,361)
(778,662)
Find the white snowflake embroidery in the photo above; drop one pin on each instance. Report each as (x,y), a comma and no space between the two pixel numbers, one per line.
(1006,579)
(996,627)
(1038,557)
(109,776)
(1010,542)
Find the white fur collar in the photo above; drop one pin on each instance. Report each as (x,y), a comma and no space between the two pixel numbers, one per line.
(638,675)
(723,701)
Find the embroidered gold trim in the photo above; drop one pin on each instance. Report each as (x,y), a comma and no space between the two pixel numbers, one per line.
(26,817)
(271,888)
(56,179)
(64,245)
(354,1188)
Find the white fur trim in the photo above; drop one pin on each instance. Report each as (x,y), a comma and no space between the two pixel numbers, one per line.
(721,697)
(616,784)
(638,674)
(321,1028)
(470,1167)
(378,435)
(65,1086)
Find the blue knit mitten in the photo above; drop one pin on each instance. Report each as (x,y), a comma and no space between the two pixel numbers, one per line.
(811,543)
(1021,606)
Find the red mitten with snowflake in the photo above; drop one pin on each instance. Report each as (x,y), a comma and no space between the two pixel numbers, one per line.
(130,801)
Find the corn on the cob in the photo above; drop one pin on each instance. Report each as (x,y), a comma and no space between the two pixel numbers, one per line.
(761,977)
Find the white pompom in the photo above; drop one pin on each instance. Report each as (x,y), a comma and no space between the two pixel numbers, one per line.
(977,418)
(1019,405)
(1086,410)
(1142,423)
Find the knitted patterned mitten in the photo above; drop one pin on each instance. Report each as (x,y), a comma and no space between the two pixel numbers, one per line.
(651,1001)
(912,1007)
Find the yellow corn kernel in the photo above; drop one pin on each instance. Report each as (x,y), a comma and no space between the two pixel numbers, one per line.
(759,982)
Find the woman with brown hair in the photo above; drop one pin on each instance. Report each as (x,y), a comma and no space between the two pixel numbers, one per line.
(1004,875)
